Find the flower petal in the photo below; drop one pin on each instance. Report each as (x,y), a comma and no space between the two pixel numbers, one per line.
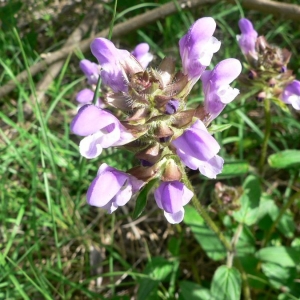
(176,217)
(141,53)
(197,143)
(109,58)
(226,71)
(103,188)
(123,196)
(90,70)
(90,146)
(212,168)
(90,119)
(197,47)
(291,94)
(85,96)
(187,195)
(248,37)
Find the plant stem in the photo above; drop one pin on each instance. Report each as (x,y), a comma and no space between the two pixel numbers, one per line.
(246,287)
(267,134)
(202,211)
(283,210)
(234,241)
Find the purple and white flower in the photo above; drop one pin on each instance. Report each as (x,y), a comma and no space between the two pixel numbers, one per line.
(100,130)
(90,70)
(217,90)
(109,58)
(198,150)
(291,94)
(112,188)
(172,196)
(197,47)
(142,54)
(248,38)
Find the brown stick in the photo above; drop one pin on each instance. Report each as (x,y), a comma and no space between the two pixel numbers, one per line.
(119,30)
(285,10)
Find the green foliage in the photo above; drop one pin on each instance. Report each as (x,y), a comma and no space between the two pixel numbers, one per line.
(158,269)
(54,246)
(285,159)
(141,200)
(283,256)
(226,284)
(190,290)
(234,169)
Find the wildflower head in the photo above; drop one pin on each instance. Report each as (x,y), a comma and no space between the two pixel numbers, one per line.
(267,66)
(146,113)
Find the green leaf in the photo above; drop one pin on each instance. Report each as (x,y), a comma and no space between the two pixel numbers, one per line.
(226,284)
(283,256)
(279,276)
(158,270)
(249,201)
(234,169)
(141,200)
(285,159)
(256,278)
(268,207)
(203,234)
(218,128)
(190,290)
(281,104)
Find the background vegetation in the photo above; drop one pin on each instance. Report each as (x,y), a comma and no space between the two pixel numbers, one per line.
(54,246)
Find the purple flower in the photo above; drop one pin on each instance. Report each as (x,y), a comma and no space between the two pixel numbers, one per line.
(198,150)
(112,188)
(171,197)
(86,96)
(248,38)
(291,94)
(101,130)
(109,58)
(90,70)
(172,106)
(142,54)
(197,47)
(216,86)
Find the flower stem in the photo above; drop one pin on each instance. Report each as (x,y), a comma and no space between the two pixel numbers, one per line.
(267,134)
(202,211)
(234,241)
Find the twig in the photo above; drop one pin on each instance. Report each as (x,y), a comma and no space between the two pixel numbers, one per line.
(119,30)
(286,10)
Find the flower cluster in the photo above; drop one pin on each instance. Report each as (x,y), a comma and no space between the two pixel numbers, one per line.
(268,72)
(144,111)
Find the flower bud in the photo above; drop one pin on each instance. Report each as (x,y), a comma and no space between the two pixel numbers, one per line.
(171,172)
